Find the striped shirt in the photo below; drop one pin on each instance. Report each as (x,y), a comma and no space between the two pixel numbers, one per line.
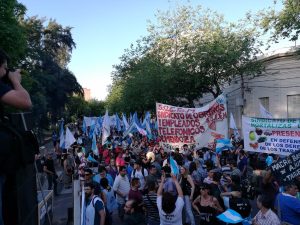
(150,204)
(122,185)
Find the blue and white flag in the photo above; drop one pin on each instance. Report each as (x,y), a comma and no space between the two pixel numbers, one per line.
(94,145)
(69,140)
(105,127)
(98,126)
(130,129)
(91,159)
(126,125)
(92,130)
(230,216)
(174,166)
(118,123)
(61,135)
(146,119)
(264,113)
(223,144)
(84,130)
(136,119)
(232,125)
(140,130)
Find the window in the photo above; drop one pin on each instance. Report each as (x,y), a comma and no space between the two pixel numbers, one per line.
(293,106)
(265,102)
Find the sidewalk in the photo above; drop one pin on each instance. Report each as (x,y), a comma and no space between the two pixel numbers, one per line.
(64,201)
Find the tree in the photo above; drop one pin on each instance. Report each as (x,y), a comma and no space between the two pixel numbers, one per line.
(12,35)
(282,24)
(189,52)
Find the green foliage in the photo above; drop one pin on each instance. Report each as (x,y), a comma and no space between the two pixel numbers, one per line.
(282,24)
(12,36)
(188,52)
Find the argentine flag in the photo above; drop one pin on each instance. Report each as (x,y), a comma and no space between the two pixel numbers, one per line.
(222,144)
(230,216)
(61,135)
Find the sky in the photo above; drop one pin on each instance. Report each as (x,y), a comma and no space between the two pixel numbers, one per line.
(103,29)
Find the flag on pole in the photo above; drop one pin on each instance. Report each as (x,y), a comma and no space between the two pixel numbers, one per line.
(61,135)
(69,140)
(264,113)
(94,145)
(126,125)
(105,127)
(118,123)
(91,159)
(222,144)
(230,216)
(174,166)
(140,130)
(232,125)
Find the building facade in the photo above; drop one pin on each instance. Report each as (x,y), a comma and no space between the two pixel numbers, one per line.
(277,89)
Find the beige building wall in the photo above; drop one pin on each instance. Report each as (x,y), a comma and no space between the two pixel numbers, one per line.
(278,89)
(87,94)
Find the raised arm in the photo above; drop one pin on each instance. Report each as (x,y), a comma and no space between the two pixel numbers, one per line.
(179,190)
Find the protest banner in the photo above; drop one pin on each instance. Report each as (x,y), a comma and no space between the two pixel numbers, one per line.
(278,136)
(192,126)
(285,170)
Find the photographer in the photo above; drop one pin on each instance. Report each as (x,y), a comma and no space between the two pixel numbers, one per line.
(13,94)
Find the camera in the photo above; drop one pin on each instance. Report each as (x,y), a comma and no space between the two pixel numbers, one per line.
(5,79)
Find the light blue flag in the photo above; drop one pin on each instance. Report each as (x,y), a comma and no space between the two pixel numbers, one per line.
(230,216)
(146,119)
(118,123)
(94,145)
(126,125)
(91,159)
(222,144)
(92,129)
(61,135)
(174,166)
(130,118)
(129,130)
(98,126)
(83,127)
(136,119)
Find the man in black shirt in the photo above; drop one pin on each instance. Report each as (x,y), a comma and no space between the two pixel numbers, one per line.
(49,169)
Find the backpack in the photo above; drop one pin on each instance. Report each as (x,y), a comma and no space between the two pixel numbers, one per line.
(107,216)
(240,205)
(143,172)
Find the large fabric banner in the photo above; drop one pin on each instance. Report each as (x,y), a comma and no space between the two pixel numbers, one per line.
(278,136)
(199,127)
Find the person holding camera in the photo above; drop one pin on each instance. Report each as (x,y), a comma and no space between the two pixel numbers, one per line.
(13,94)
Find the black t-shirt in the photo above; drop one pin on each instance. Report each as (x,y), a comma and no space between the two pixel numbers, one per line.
(49,163)
(4,88)
(240,205)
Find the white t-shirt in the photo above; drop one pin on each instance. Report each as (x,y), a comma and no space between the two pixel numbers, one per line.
(174,218)
(139,174)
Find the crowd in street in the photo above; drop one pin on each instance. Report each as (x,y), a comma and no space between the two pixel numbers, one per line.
(145,184)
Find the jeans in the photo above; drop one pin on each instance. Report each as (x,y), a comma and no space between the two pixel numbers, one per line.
(52,180)
(2,180)
(121,210)
(189,216)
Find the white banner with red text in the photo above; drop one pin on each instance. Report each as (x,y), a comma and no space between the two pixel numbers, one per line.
(198,127)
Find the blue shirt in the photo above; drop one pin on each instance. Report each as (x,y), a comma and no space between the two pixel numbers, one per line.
(97,179)
(288,209)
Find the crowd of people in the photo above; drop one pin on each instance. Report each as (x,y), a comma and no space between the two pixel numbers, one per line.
(145,184)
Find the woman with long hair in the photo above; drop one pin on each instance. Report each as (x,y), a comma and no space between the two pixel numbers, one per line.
(169,206)
(188,188)
(207,206)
